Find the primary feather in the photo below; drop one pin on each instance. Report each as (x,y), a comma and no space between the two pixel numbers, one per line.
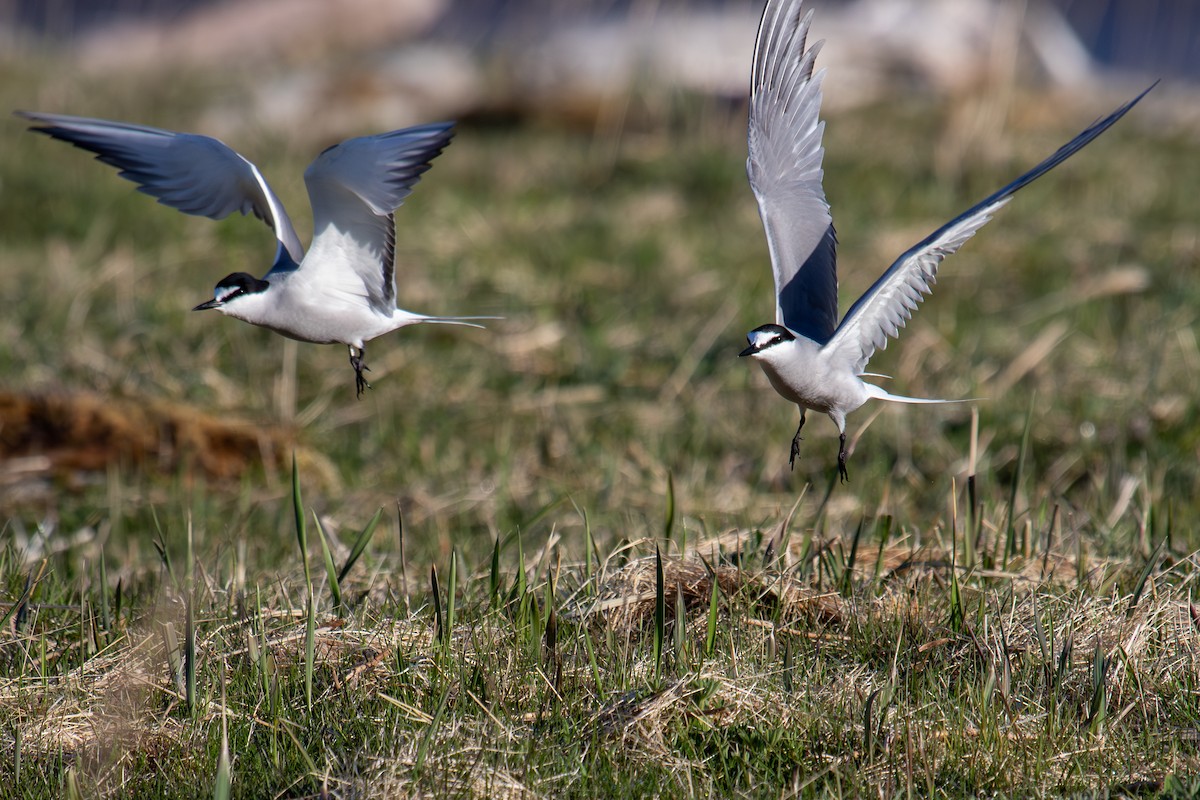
(192,173)
(884,308)
(784,168)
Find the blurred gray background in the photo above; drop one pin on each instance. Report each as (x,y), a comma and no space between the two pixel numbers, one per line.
(1152,36)
(324,68)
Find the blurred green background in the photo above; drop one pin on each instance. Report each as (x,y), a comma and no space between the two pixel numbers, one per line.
(620,242)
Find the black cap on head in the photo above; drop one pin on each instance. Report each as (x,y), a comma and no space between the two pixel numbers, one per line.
(765,336)
(231,286)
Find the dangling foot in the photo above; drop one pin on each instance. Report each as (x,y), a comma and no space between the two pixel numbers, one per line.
(356,361)
(796,443)
(842,474)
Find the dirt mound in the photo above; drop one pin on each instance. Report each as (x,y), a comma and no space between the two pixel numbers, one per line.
(72,431)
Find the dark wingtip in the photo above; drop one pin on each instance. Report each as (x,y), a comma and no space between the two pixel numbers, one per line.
(37,123)
(1138,99)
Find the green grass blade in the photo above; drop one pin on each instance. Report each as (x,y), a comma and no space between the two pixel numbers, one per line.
(16,735)
(335,588)
(189,637)
(868,724)
(1064,660)
(431,731)
(495,580)
(403,559)
(884,526)
(847,582)
(550,646)
(789,666)
(1147,570)
(521,583)
(593,662)
(174,656)
(298,511)
(105,618)
(660,611)
(451,595)
(17,608)
(534,626)
(714,605)
(540,514)
(680,626)
(1098,705)
(439,626)
(1045,644)
(957,612)
(301,749)
(360,545)
(164,556)
(1010,526)
(260,653)
(310,646)
(118,598)
(223,783)
(589,549)
(669,520)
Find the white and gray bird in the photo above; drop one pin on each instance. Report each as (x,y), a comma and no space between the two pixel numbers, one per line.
(809,357)
(343,290)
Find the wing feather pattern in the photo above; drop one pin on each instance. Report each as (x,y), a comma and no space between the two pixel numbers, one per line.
(354,188)
(784,167)
(884,308)
(192,173)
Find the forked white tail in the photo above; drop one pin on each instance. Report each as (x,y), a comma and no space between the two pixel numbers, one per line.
(467,321)
(880,394)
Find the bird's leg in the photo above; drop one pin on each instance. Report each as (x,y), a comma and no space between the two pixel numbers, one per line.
(845,476)
(356,361)
(796,441)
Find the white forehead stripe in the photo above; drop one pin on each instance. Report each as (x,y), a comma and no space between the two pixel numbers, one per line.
(759,339)
(221,293)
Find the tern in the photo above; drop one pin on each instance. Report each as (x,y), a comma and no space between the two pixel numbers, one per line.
(343,290)
(808,356)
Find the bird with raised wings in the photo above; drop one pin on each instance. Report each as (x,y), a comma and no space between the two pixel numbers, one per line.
(343,290)
(808,356)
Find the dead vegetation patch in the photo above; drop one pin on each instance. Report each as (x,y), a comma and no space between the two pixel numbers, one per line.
(792,657)
(67,435)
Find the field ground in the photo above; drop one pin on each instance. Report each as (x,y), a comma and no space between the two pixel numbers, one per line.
(901,634)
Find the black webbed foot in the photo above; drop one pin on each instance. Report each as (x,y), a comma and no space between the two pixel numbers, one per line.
(356,361)
(842,474)
(796,443)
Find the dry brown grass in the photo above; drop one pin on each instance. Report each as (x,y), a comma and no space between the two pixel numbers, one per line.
(69,433)
(873,640)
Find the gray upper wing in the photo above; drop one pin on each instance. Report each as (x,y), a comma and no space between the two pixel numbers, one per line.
(887,305)
(192,173)
(784,167)
(354,188)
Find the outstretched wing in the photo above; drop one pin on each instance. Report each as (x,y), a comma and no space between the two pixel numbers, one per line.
(785,172)
(354,188)
(192,173)
(888,304)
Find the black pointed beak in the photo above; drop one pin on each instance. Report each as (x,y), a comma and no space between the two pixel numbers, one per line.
(208,305)
(749,351)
